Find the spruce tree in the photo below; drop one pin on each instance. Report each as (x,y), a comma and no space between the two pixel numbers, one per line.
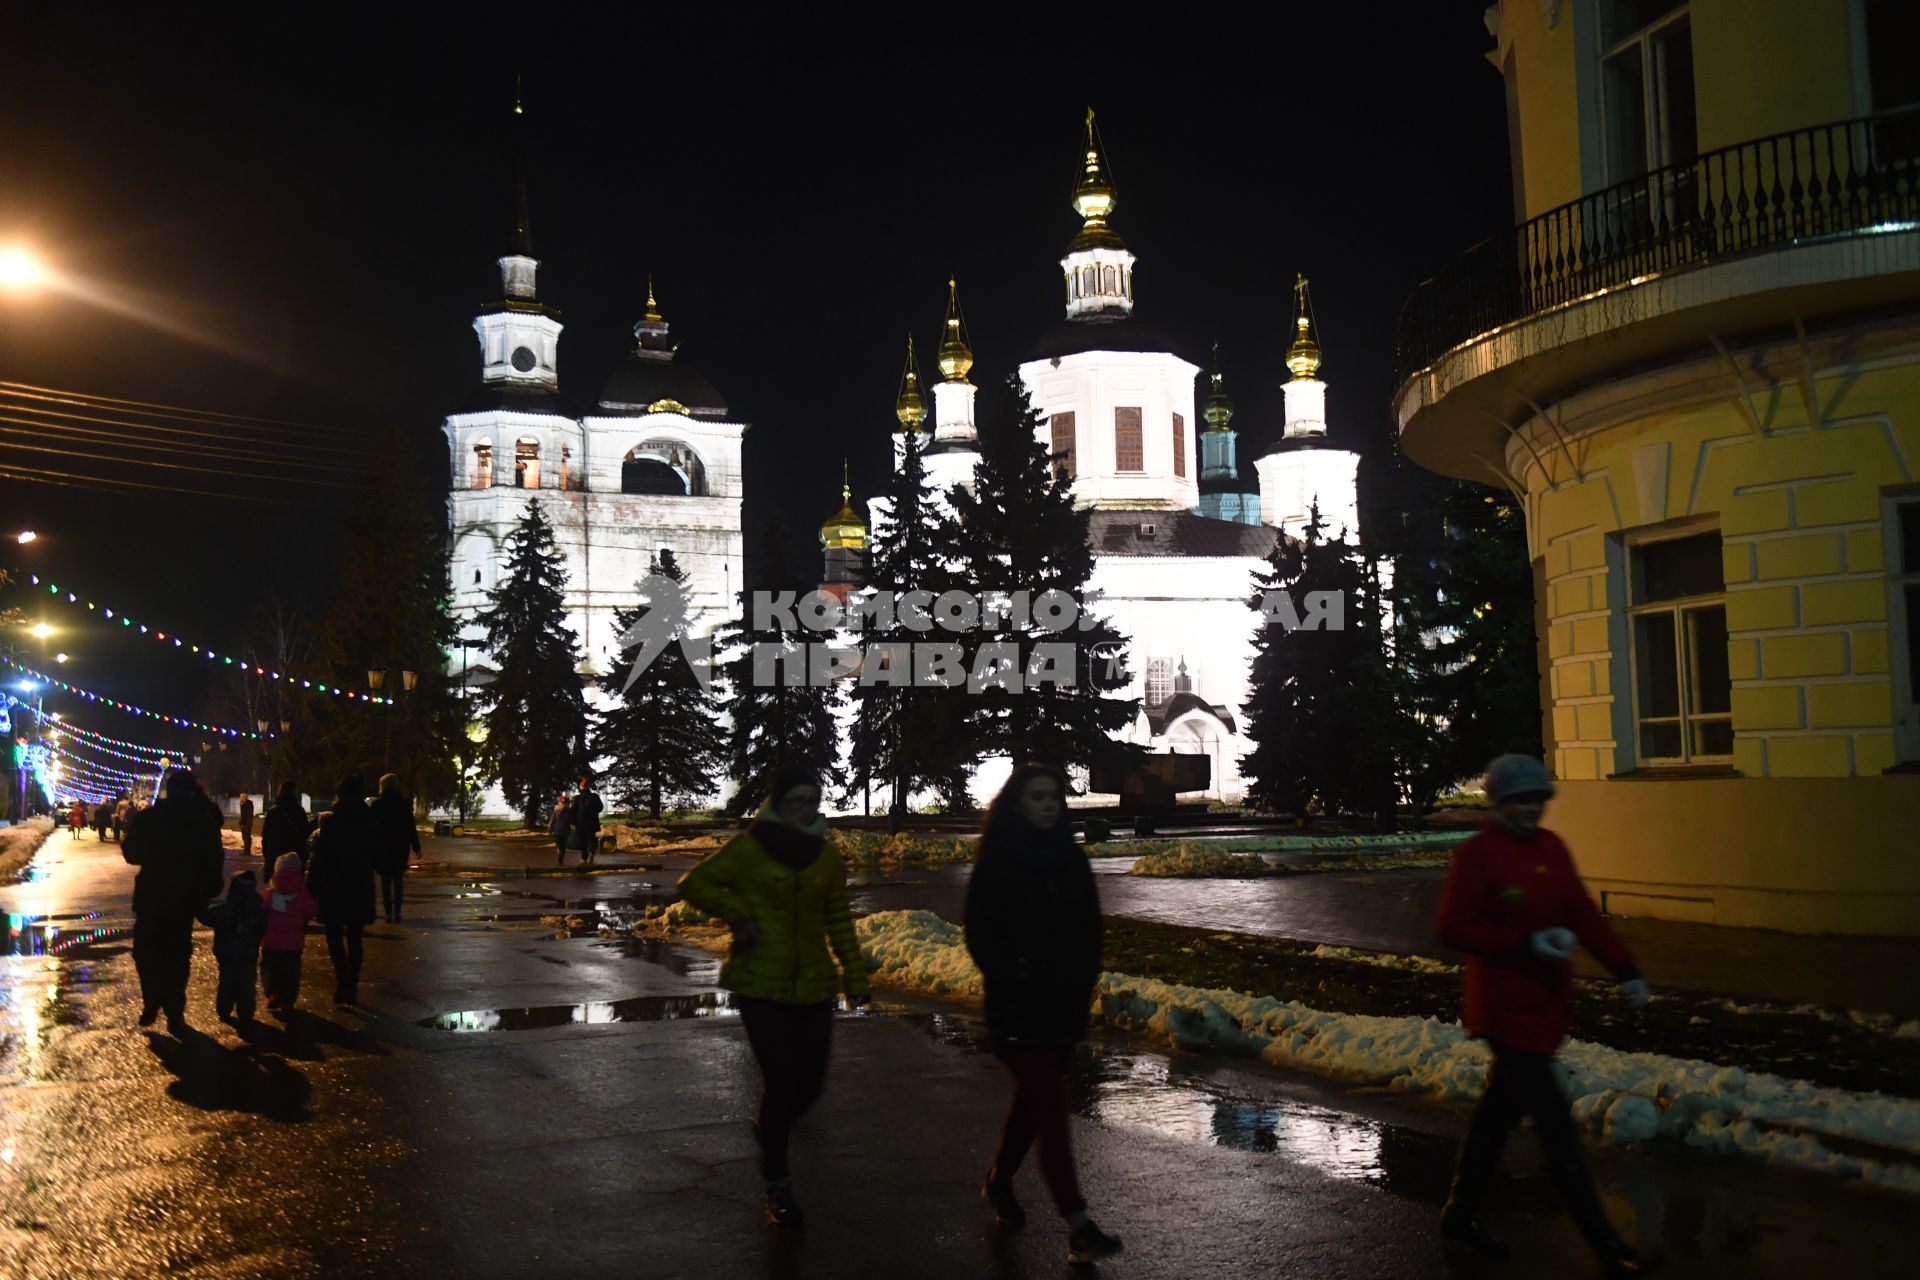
(389,613)
(910,738)
(1464,630)
(1019,531)
(534,709)
(1321,703)
(775,723)
(664,739)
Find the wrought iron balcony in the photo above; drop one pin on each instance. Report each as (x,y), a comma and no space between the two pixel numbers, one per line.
(1854,177)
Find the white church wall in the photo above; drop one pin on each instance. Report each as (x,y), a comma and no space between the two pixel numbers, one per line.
(1293,479)
(1092,385)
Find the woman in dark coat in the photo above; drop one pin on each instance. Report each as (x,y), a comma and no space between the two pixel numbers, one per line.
(1033,928)
(346,851)
(286,827)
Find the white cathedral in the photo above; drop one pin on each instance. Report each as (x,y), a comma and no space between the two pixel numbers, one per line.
(1177,534)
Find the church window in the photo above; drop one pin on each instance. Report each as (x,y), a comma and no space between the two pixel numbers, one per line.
(1126,440)
(483,465)
(1179,445)
(526,463)
(1159,681)
(1063,444)
(1108,283)
(566,456)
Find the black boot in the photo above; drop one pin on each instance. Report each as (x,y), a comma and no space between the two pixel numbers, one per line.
(1617,1257)
(1460,1220)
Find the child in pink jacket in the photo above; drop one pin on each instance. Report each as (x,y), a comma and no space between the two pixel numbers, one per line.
(289,907)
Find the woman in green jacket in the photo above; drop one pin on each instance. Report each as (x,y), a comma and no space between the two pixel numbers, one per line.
(781,886)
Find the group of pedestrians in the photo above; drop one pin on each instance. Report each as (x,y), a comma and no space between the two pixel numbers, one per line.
(1513,903)
(324,869)
(109,817)
(575,823)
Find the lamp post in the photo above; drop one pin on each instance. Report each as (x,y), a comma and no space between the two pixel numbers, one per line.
(376,680)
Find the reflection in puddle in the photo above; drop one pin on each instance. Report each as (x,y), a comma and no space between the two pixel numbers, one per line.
(711,1004)
(37,935)
(697,966)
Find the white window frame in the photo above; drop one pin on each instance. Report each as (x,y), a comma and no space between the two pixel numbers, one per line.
(1654,146)
(1685,672)
(1901,626)
(1161,670)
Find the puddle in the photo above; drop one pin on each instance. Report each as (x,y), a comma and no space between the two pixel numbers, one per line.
(52,935)
(697,966)
(712,1004)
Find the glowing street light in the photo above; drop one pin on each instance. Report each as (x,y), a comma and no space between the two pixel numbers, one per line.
(21,271)
(59,657)
(26,536)
(41,631)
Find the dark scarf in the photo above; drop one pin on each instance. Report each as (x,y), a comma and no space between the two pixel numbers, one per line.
(797,849)
(1040,849)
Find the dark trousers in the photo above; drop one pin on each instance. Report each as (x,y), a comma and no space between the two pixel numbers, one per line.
(1039,1114)
(1521,1084)
(246,839)
(790,1042)
(343,944)
(162,956)
(235,992)
(393,889)
(280,976)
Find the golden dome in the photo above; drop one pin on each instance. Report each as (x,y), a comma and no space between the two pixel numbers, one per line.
(956,358)
(844,529)
(1303,357)
(909,408)
(653,308)
(1093,200)
(1218,410)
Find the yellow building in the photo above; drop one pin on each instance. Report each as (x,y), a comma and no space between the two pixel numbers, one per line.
(1696,360)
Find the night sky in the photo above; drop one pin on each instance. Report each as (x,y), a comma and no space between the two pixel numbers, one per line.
(318,201)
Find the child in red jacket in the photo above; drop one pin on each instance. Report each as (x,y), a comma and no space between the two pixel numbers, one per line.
(289,907)
(1515,905)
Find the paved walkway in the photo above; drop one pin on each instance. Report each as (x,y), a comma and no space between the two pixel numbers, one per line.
(608,1136)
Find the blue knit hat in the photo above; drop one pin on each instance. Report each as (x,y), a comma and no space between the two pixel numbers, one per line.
(1517,775)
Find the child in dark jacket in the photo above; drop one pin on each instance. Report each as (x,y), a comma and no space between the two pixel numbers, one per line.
(239,921)
(288,908)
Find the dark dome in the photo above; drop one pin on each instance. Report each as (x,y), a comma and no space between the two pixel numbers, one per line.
(647,378)
(1071,337)
(517,397)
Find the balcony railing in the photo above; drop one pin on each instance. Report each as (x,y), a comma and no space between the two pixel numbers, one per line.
(1833,180)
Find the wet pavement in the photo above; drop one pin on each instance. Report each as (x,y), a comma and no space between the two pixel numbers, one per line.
(522,1096)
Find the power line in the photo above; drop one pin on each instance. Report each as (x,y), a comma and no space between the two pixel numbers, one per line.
(145,428)
(72,480)
(167,410)
(154,462)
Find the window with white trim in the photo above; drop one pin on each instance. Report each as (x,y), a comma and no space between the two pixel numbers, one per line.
(1677,616)
(1159,681)
(483,465)
(1646,86)
(1127,454)
(526,463)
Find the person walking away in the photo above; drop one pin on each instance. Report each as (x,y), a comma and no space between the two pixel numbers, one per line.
(286,828)
(176,845)
(346,849)
(781,886)
(1514,904)
(1033,928)
(399,843)
(102,819)
(246,826)
(288,908)
(557,828)
(122,815)
(76,819)
(583,822)
(239,922)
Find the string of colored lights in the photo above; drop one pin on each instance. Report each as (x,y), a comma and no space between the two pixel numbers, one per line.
(71,765)
(115,746)
(127,707)
(177,642)
(73,747)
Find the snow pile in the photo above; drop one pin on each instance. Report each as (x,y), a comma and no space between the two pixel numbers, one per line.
(679,914)
(1881,1022)
(903,848)
(1186,860)
(1624,1098)
(918,949)
(1382,959)
(20,842)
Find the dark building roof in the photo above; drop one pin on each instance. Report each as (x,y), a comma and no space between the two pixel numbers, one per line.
(1229,483)
(649,377)
(1289,444)
(1176,533)
(1071,337)
(1158,718)
(517,397)
(933,447)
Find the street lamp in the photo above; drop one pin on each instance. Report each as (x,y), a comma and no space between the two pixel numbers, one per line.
(41,631)
(21,271)
(26,536)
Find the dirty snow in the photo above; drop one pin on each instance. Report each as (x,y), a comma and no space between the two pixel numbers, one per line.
(19,843)
(1382,959)
(1622,1098)
(1202,860)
